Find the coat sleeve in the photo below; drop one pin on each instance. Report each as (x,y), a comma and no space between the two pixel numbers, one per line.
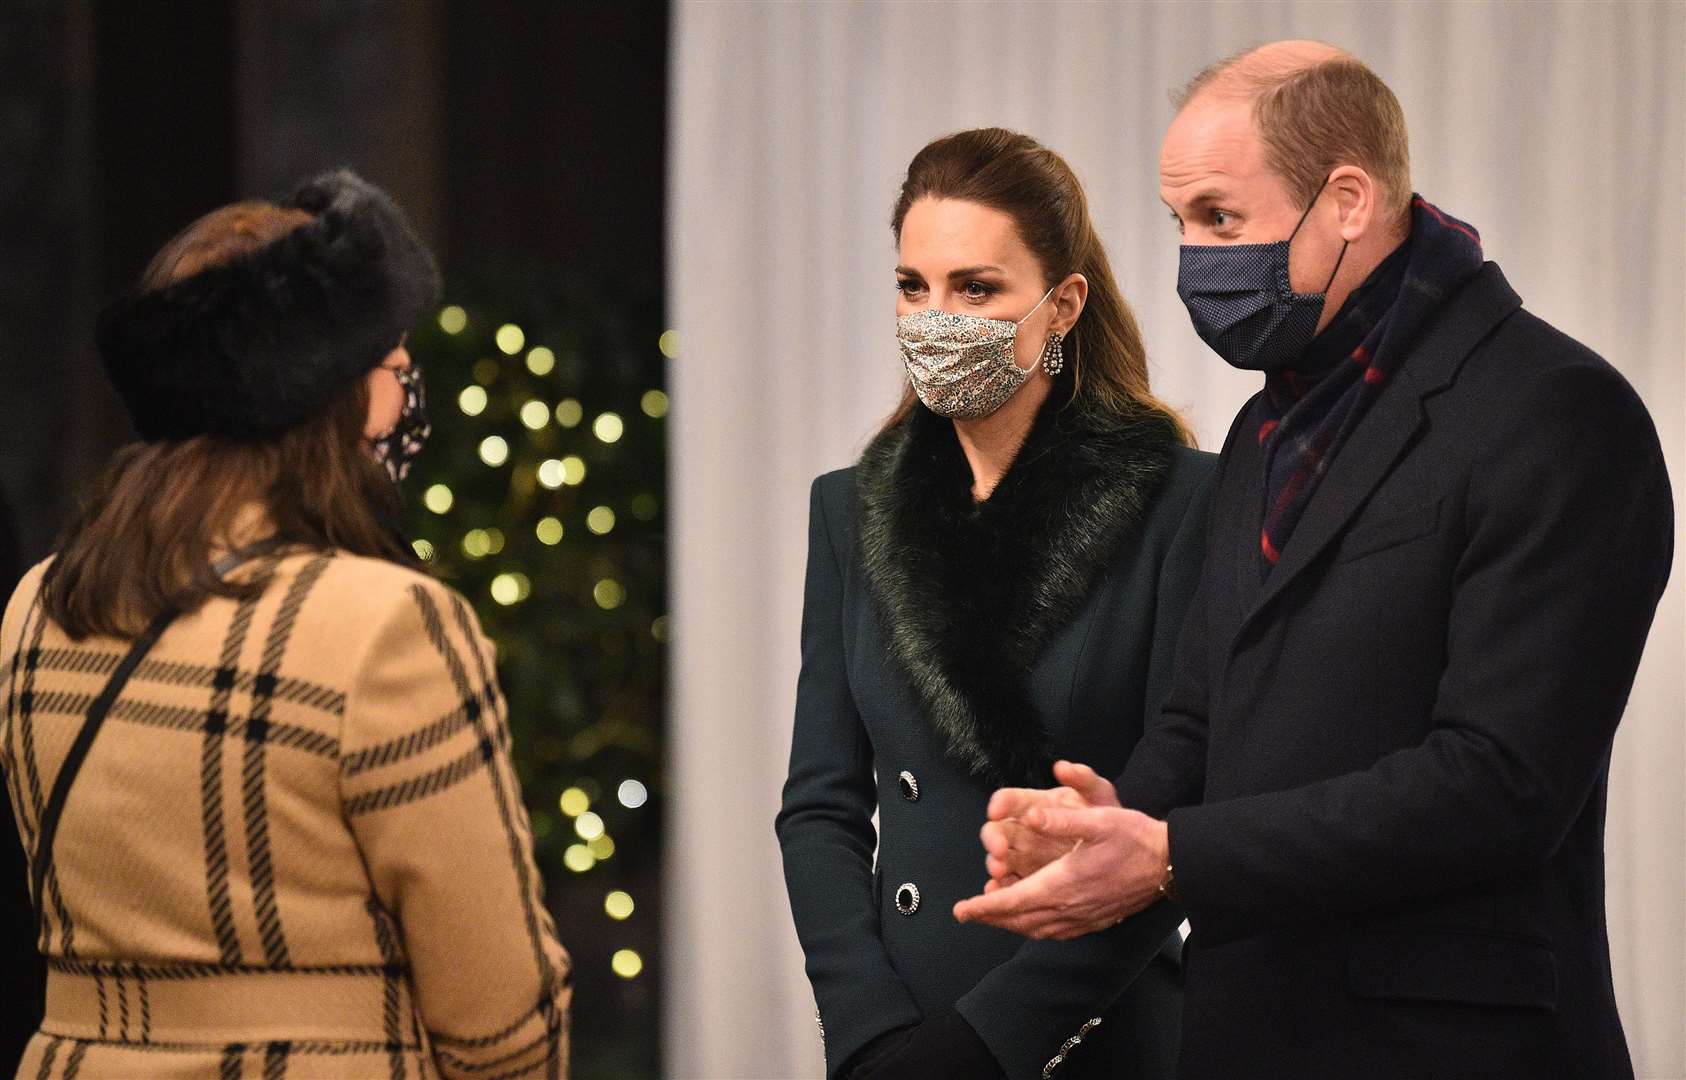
(825,825)
(1569,533)
(431,795)
(1029,1006)
(1167,768)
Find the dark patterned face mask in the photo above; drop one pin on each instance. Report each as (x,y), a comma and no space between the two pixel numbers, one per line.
(1242,305)
(398,448)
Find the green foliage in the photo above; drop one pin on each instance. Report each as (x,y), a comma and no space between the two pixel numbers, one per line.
(574,603)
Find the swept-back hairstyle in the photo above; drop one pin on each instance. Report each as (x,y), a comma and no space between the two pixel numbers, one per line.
(144,541)
(1023,179)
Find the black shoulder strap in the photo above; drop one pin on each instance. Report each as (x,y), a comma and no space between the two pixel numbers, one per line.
(91,726)
(79,750)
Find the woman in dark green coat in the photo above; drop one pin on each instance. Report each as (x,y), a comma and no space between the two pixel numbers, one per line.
(998,583)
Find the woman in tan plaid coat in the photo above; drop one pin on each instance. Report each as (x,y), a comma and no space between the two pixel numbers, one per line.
(296,845)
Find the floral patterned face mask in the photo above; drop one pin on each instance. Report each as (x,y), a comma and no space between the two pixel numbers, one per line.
(397,449)
(962,365)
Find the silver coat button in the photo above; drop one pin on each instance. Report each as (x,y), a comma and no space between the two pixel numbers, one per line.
(909,785)
(907,898)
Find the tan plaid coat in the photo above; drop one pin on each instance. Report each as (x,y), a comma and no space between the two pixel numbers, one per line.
(297,847)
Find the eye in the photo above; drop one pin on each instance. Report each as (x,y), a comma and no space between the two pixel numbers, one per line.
(909,287)
(979,290)
(1222,219)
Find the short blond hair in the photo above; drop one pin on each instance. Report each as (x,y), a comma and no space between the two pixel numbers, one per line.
(1314,118)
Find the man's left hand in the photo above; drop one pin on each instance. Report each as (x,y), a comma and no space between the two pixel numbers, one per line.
(1115,870)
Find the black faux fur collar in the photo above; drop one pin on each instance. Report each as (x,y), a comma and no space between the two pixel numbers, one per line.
(256,346)
(968,593)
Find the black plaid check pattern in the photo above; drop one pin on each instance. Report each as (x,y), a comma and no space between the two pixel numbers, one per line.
(263,712)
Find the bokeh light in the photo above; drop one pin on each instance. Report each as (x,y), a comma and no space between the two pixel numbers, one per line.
(452,319)
(511,588)
(609,427)
(627,963)
(510,338)
(582,401)
(540,361)
(668,343)
(424,550)
(535,414)
(477,544)
(609,594)
(472,400)
(574,802)
(588,825)
(494,451)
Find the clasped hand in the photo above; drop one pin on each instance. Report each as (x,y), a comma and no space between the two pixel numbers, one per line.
(1066,861)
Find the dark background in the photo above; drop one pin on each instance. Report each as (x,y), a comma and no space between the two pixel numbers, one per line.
(524,137)
(516,133)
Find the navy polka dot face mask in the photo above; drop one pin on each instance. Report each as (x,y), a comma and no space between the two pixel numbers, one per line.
(1242,304)
(397,449)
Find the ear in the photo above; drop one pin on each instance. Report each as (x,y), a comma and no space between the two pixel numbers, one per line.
(1357,199)
(1069,297)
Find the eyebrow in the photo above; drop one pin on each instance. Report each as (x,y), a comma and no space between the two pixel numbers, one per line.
(1204,198)
(962,272)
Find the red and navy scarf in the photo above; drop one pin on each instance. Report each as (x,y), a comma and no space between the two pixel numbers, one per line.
(1310,411)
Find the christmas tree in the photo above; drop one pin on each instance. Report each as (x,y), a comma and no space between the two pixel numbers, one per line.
(540,497)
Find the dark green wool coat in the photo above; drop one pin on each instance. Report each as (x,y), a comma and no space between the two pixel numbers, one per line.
(950,647)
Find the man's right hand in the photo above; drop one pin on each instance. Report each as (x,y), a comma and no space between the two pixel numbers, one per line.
(1016,851)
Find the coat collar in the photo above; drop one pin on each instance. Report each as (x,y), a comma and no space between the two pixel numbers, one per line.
(1385,433)
(967,594)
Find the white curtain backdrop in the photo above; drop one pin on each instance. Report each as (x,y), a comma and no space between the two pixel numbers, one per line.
(1556,128)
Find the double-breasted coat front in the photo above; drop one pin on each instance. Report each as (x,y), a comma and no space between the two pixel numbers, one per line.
(949,647)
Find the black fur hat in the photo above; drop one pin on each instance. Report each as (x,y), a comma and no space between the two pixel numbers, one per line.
(259,345)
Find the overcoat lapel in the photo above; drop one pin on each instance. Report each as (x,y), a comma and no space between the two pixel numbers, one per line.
(1384,435)
(1234,545)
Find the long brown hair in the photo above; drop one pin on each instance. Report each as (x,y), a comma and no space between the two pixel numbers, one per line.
(144,541)
(1023,179)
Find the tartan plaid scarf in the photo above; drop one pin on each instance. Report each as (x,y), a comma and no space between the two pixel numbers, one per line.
(1310,411)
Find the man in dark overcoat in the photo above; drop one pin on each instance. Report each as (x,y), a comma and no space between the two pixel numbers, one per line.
(1439,535)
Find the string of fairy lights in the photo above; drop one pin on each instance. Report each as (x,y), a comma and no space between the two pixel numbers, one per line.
(538,466)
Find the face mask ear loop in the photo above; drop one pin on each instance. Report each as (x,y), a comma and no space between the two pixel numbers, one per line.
(1308,207)
(1296,232)
(1337,268)
(1038,306)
